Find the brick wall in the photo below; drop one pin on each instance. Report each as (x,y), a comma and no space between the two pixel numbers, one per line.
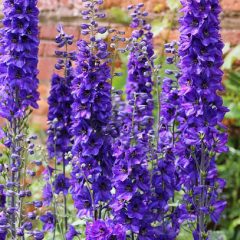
(67,12)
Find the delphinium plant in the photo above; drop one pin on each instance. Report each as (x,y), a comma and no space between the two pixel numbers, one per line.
(202,132)
(131,178)
(18,93)
(91,113)
(144,170)
(139,164)
(164,176)
(59,141)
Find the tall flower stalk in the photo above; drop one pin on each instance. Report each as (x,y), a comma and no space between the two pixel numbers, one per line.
(18,86)
(202,131)
(59,134)
(92,110)
(131,176)
(164,176)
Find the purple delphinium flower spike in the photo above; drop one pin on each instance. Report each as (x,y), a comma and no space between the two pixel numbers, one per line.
(164,178)
(59,141)
(18,92)
(131,177)
(91,113)
(60,100)
(202,131)
(19,58)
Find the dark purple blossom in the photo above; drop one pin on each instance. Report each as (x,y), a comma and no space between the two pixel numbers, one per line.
(131,176)
(61,184)
(203,111)
(71,233)
(105,230)
(2,197)
(19,58)
(102,187)
(3,226)
(97,230)
(47,194)
(91,115)
(60,100)
(18,93)
(38,235)
(49,221)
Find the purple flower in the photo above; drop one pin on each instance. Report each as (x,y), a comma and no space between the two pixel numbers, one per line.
(60,100)
(131,176)
(47,194)
(49,221)
(3,226)
(93,145)
(97,230)
(19,59)
(71,233)
(105,230)
(202,112)
(216,209)
(83,201)
(91,116)
(61,184)
(38,235)
(102,187)
(117,231)
(2,197)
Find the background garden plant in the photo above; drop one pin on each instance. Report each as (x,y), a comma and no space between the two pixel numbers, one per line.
(126,162)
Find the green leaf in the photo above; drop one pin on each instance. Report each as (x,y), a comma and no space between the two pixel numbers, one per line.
(231,57)
(217,235)
(235,223)
(118,15)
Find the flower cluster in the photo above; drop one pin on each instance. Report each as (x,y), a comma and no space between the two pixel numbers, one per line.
(92,152)
(19,58)
(59,133)
(60,100)
(126,158)
(105,230)
(201,128)
(18,90)
(164,177)
(131,177)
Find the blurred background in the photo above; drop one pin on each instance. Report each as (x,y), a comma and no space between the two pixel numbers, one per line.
(163,16)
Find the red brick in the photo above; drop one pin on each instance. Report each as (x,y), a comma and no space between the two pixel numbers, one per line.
(46,5)
(230,5)
(41,49)
(49,48)
(73,30)
(231,36)
(46,68)
(48,31)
